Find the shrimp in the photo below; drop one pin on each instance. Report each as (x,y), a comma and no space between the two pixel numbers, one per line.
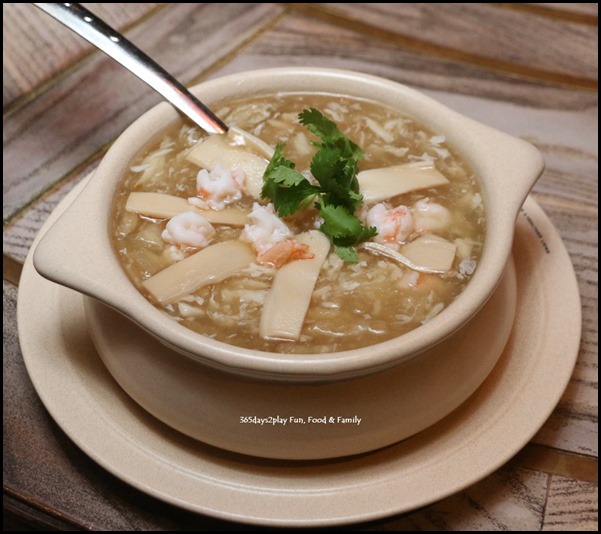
(394,225)
(266,229)
(188,229)
(271,238)
(219,187)
(430,216)
(284,252)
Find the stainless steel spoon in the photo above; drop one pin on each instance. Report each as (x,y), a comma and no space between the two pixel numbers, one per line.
(90,27)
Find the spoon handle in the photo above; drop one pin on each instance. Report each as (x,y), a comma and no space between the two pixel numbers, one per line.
(101,35)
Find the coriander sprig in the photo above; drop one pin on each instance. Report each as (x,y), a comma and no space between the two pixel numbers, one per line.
(336,196)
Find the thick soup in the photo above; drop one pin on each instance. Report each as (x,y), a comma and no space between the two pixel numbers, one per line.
(201,234)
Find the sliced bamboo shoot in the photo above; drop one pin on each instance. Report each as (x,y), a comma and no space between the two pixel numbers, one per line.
(288,299)
(163,206)
(431,252)
(208,266)
(216,149)
(240,137)
(380,184)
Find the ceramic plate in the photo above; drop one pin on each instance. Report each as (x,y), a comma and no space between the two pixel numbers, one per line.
(476,439)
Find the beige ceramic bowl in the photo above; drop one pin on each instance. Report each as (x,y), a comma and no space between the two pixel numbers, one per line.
(204,387)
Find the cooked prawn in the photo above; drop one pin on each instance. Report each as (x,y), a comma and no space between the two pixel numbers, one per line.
(188,229)
(271,238)
(284,252)
(394,225)
(266,228)
(219,187)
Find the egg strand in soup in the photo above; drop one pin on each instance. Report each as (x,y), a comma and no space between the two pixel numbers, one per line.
(195,235)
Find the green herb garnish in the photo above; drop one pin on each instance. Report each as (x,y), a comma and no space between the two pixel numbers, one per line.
(336,196)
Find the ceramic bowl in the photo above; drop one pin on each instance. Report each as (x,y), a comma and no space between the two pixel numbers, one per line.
(204,387)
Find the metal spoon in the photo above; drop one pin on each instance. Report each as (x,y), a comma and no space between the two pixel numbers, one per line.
(90,27)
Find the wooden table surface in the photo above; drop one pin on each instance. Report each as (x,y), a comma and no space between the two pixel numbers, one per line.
(528,69)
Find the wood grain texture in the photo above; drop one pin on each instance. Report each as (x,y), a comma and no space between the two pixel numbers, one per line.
(477,33)
(299,40)
(509,499)
(70,122)
(78,116)
(554,461)
(19,235)
(585,9)
(37,47)
(572,505)
(578,13)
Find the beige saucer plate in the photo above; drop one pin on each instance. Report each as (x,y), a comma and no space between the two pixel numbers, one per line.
(476,439)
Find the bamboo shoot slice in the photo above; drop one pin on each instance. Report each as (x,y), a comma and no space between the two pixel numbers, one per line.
(162,206)
(431,252)
(208,266)
(240,137)
(288,299)
(215,149)
(380,184)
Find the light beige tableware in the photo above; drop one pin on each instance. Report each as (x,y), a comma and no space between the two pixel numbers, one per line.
(236,382)
(477,438)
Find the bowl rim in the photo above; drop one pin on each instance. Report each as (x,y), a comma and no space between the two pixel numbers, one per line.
(472,139)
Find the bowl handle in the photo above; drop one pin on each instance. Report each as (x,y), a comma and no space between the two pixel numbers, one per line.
(67,253)
(517,162)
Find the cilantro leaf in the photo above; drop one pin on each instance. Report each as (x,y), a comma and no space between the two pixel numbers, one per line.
(335,164)
(287,177)
(289,200)
(277,161)
(338,223)
(342,227)
(326,167)
(317,123)
(347,254)
(288,189)
(336,196)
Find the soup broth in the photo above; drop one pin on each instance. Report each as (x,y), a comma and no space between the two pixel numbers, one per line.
(352,305)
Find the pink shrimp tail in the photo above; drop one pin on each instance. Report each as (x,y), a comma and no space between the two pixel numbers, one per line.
(284,252)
